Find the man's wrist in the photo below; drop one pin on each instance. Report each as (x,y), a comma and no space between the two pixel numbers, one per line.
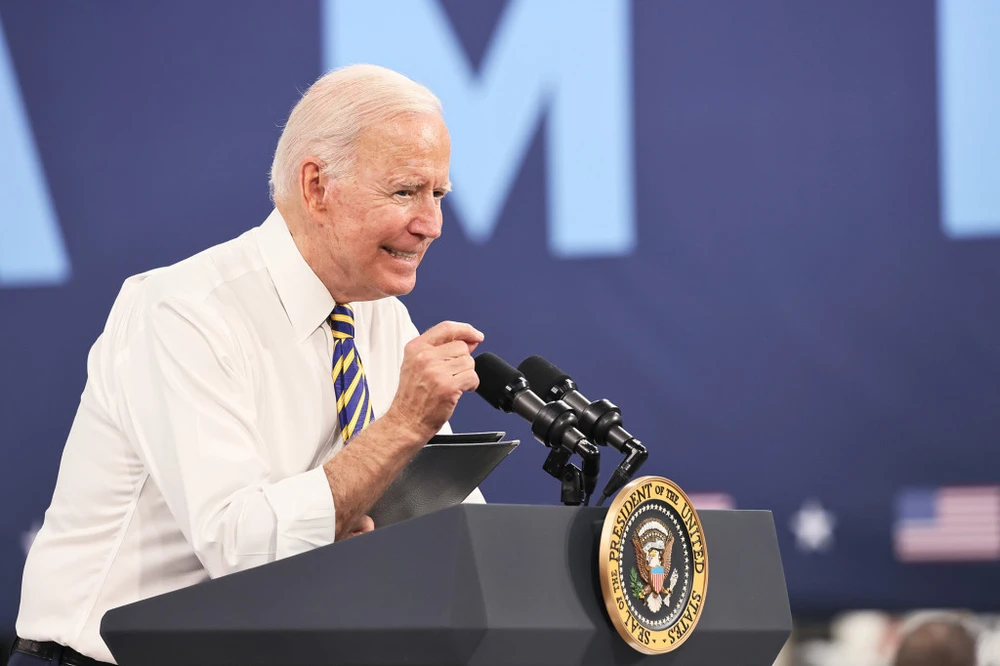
(408,431)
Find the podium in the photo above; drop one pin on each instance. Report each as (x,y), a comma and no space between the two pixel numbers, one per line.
(487,585)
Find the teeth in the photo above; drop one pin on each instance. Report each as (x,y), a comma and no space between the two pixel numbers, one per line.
(402,255)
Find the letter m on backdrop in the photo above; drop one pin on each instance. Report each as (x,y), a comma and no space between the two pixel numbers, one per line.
(969,116)
(31,246)
(569,59)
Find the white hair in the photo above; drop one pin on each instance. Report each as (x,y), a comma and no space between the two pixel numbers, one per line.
(333,113)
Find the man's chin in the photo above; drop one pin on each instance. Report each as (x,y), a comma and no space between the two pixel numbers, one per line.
(397,288)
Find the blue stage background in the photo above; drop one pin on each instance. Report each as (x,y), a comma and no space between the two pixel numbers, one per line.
(782,312)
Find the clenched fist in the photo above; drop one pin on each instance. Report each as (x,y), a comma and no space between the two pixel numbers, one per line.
(437,369)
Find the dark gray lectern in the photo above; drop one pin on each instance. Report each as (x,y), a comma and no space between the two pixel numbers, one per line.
(474,584)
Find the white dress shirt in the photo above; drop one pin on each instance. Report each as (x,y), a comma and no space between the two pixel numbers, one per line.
(198,446)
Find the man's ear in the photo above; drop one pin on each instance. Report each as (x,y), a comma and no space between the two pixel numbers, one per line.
(313,185)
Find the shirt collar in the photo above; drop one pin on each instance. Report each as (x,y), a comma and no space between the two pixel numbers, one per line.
(306,299)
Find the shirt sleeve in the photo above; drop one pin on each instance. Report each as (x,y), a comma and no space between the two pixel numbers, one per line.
(476,497)
(186,402)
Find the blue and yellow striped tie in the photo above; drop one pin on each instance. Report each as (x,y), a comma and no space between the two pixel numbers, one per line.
(353,406)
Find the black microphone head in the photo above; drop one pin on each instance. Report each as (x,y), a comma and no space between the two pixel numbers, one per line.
(499,381)
(546,380)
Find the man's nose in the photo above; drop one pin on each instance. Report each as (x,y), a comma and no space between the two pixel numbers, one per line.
(427,218)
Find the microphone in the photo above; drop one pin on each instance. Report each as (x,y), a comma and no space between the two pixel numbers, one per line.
(600,420)
(552,423)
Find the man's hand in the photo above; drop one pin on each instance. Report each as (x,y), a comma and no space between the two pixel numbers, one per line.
(366,524)
(437,369)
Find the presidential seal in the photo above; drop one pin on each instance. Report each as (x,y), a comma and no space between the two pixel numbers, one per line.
(653,565)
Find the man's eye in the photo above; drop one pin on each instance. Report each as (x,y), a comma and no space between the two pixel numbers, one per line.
(404,193)
(439,194)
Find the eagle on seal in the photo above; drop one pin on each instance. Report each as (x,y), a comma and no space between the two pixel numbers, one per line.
(653,543)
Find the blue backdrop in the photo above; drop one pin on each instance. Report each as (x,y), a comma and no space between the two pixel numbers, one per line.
(767,230)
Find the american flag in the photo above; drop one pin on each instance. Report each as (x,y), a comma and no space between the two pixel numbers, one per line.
(948,524)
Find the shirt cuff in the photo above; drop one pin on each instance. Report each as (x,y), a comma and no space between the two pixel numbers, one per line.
(304,513)
(476,497)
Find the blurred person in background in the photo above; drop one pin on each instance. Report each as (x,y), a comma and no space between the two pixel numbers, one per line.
(942,641)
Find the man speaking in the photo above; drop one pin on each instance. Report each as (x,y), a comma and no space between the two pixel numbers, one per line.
(254,401)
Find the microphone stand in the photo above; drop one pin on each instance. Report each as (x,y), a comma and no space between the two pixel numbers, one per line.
(557,465)
(552,423)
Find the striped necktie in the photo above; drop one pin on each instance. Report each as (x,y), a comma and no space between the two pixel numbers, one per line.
(353,405)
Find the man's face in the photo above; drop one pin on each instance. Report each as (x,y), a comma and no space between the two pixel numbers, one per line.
(382,217)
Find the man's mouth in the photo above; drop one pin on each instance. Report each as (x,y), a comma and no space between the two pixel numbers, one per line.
(405,256)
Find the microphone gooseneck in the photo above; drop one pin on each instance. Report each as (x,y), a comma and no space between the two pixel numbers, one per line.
(553,423)
(600,420)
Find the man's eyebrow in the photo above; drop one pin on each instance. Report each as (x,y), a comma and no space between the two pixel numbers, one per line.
(410,181)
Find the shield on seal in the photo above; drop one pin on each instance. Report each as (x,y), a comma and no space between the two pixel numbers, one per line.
(656,579)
